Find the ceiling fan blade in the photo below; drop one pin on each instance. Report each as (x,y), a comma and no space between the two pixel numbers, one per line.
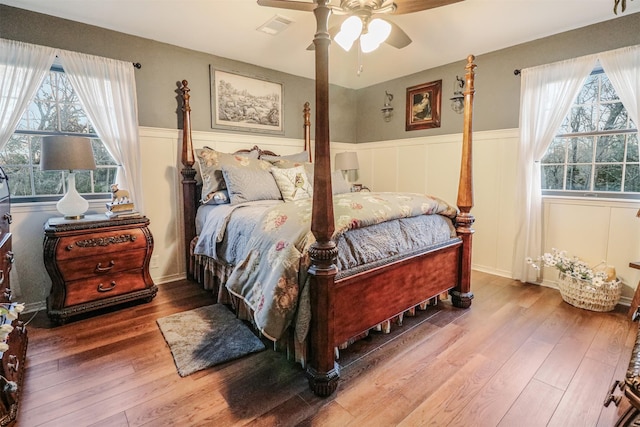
(397,38)
(411,6)
(289,4)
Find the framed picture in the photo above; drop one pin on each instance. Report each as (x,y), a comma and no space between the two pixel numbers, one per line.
(243,103)
(423,106)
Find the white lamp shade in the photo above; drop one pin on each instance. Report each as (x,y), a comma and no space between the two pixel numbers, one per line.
(66,153)
(347,161)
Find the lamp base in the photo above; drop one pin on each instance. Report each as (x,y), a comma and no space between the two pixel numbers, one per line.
(72,205)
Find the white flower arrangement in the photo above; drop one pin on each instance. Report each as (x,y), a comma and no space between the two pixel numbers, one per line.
(8,313)
(572,267)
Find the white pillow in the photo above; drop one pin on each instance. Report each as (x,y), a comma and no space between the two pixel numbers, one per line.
(293,183)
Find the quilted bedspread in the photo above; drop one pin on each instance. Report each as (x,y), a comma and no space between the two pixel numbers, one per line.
(271,276)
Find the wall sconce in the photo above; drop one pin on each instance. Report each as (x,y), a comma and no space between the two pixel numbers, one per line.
(457,102)
(387,108)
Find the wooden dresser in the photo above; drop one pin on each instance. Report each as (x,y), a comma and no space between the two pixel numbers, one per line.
(96,262)
(12,366)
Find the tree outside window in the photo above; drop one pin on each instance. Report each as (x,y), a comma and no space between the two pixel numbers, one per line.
(595,152)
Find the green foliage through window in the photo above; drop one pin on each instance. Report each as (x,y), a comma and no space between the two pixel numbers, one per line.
(55,110)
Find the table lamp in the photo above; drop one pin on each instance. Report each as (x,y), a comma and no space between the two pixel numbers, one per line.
(347,161)
(70,153)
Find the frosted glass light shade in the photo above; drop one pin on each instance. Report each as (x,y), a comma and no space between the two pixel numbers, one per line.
(349,32)
(378,32)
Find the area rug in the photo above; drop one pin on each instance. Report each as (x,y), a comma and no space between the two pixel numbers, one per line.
(207,336)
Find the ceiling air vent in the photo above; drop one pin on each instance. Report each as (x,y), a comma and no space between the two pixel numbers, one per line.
(275,25)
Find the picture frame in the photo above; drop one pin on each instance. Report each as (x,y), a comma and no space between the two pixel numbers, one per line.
(246,104)
(424,105)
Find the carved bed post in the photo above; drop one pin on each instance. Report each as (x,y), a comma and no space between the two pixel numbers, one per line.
(322,371)
(306,112)
(461,295)
(188,178)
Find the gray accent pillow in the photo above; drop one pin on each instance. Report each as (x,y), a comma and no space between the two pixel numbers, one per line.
(210,164)
(248,184)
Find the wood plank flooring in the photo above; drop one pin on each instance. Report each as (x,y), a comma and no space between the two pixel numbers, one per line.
(519,356)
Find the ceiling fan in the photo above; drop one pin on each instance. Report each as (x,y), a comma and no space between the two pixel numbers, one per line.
(362,22)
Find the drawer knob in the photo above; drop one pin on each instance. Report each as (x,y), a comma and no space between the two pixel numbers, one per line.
(112,285)
(10,257)
(101,269)
(7,216)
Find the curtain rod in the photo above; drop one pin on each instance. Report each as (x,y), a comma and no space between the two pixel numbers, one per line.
(136,65)
(516,72)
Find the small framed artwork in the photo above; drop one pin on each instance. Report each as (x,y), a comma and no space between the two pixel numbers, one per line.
(423,106)
(243,103)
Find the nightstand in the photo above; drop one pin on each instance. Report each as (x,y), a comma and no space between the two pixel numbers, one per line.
(96,262)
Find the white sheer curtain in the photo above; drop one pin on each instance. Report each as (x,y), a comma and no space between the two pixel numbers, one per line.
(546,95)
(622,67)
(107,90)
(23,67)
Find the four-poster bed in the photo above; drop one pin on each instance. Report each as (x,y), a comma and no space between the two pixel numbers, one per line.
(388,287)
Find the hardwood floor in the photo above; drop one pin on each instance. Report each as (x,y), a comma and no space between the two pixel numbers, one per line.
(519,356)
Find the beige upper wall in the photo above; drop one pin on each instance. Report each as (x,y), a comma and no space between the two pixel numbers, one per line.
(497,101)
(165,65)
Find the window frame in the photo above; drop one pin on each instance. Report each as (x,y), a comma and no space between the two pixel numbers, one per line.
(56,67)
(588,194)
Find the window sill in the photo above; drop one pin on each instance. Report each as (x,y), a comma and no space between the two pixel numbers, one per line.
(592,201)
(50,206)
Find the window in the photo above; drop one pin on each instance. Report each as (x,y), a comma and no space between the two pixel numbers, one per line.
(595,153)
(55,110)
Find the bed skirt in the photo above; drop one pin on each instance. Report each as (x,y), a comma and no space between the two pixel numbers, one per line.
(212,275)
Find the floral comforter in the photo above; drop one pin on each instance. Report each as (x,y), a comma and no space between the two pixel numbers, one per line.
(271,277)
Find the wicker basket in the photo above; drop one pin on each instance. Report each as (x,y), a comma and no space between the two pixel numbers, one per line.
(584,294)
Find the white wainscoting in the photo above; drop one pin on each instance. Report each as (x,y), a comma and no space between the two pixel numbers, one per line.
(594,229)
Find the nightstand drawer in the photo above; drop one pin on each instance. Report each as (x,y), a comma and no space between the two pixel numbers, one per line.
(87,245)
(96,288)
(102,264)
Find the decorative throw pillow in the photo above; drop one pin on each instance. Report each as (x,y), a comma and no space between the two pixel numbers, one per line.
(339,185)
(246,184)
(211,162)
(293,183)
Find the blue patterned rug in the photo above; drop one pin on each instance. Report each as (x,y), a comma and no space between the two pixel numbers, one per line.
(207,336)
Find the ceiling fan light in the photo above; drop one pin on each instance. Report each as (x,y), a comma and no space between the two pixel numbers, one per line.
(368,43)
(343,41)
(380,29)
(349,32)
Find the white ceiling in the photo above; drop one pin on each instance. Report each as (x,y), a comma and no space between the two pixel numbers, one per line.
(227,28)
